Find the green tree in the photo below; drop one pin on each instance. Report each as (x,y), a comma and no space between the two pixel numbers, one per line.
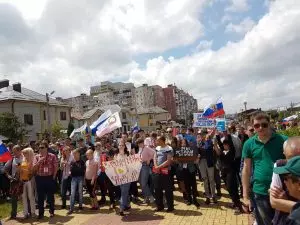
(70,128)
(56,130)
(11,127)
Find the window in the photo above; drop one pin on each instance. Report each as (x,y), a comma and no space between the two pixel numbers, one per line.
(124,116)
(44,115)
(63,116)
(28,119)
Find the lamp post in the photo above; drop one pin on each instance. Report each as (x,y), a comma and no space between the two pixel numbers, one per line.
(48,111)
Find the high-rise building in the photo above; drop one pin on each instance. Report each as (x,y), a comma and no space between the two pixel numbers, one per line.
(81,104)
(122,94)
(169,93)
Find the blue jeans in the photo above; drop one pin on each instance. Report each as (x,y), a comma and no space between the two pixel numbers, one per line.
(65,186)
(76,187)
(124,202)
(264,213)
(144,179)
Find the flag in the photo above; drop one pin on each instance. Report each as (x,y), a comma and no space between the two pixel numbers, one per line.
(111,123)
(4,153)
(290,118)
(214,110)
(81,130)
(135,128)
(104,116)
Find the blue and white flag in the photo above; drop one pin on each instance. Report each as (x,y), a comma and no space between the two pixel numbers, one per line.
(81,130)
(104,116)
(135,128)
(110,124)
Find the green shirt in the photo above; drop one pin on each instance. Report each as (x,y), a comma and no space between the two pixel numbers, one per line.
(263,157)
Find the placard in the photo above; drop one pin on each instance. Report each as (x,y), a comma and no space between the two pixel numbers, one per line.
(200,121)
(221,125)
(123,171)
(186,154)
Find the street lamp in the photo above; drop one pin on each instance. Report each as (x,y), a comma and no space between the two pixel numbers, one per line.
(245,104)
(48,111)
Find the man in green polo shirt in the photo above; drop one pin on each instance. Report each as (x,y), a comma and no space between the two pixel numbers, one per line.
(260,153)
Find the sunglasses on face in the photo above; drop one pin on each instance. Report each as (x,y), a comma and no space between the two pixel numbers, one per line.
(262,125)
(42,147)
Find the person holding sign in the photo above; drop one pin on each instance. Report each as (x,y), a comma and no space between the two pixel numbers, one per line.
(122,153)
(161,175)
(188,171)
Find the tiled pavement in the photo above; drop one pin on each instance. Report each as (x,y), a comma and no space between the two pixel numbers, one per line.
(145,215)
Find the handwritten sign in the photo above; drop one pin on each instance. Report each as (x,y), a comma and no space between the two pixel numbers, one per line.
(186,154)
(123,171)
(200,121)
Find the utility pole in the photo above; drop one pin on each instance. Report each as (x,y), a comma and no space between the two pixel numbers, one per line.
(48,113)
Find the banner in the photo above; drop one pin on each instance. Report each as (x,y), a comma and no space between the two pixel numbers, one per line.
(123,171)
(221,125)
(200,121)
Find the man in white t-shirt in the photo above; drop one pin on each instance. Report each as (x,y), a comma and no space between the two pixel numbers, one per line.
(279,199)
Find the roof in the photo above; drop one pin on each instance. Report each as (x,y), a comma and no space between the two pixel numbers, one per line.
(7,93)
(90,113)
(151,110)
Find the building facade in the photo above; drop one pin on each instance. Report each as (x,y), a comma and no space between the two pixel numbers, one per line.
(82,103)
(119,93)
(33,109)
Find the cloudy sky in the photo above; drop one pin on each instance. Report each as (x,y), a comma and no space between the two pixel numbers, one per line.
(243,50)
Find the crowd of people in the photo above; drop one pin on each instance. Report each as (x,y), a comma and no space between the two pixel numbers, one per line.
(259,167)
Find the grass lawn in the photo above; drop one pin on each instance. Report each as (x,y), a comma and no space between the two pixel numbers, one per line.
(5,208)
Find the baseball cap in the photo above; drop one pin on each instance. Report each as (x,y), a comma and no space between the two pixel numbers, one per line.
(292,167)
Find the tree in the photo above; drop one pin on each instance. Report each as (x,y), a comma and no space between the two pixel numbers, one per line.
(56,130)
(70,128)
(11,127)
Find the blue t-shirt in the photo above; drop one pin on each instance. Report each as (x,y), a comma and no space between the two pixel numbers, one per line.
(191,138)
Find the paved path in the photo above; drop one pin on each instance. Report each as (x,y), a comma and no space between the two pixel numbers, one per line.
(145,215)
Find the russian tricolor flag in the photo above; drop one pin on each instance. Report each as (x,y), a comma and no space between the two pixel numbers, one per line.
(214,110)
(4,153)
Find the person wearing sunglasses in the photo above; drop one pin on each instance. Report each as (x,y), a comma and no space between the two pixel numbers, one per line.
(291,176)
(260,153)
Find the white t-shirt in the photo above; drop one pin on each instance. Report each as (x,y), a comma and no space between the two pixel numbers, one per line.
(276,182)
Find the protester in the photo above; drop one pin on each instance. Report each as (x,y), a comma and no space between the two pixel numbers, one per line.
(161,175)
(291,177)
(91,178)
(26,174)
(12,171)
(77,173)
(188,170)
(122,153)
(260,152)
(66,160)
(280,198)
(45,168)
(146,154)
(207,166)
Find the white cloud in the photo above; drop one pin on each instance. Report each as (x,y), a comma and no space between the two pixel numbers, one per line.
(98,41)
(238,6)
(204,45)
(243,27)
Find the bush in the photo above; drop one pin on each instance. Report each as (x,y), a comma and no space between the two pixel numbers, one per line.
(295,131)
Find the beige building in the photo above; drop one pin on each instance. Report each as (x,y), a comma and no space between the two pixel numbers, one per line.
(151,118)
(82,103)
(32,108)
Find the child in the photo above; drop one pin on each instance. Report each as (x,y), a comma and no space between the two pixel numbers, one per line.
(77,173)
(91,178)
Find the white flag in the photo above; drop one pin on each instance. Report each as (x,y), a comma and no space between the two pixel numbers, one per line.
(79,130)
(111,123)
